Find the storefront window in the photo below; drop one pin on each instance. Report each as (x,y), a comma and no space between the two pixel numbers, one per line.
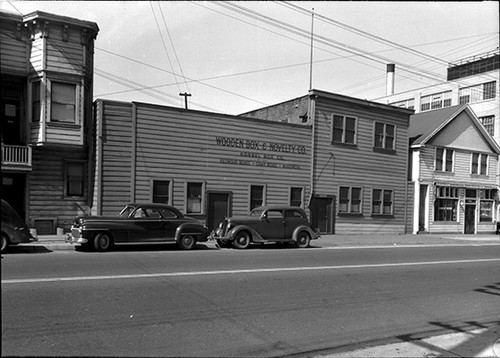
(446,204)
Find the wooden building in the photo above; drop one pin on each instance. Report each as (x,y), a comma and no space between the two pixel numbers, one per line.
(208,165)
(46,116)
(454,169)
(343,159)
(358,177)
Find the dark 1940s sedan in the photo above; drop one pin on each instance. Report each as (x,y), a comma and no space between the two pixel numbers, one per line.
(138,224)
(280,224)
(14,229)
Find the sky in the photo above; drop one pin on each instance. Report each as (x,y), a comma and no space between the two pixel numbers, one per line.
(234,57)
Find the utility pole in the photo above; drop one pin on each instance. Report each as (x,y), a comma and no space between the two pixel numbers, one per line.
(185,95)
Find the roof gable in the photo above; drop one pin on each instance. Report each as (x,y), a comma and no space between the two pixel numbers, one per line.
(456,127)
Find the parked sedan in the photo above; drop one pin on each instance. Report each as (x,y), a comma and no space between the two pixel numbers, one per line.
(280,224)
(14,229)
(138,224)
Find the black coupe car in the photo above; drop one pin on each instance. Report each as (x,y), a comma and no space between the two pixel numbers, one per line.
(138,224)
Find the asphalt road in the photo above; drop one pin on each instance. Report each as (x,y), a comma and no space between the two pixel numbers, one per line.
(257,302)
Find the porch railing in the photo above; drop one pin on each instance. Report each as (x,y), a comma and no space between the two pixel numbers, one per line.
(16,156)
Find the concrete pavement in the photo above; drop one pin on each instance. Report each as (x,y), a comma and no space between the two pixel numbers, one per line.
(458,342)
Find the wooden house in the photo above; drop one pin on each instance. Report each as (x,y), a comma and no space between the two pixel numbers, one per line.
(46,116)
(358,177)
(454,171)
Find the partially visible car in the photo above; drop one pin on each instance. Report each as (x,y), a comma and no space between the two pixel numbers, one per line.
(138,224)
(277,224)
(14,229)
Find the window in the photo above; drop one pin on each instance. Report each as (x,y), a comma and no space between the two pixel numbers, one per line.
(382,202)
(477,93)
(194,198)
(35,102)
(489,124)
(479,164)
(74,178)
(435,101)
(487,197)
(384,136)
(444,159)
(489,90)
(296,197)
(63,102)
(408,103)
(344,129)
(446,204)
(256,196)
(161,191)
(350,200)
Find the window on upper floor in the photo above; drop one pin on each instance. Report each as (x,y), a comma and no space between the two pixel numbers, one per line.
(444,160)
(479,164)
(35,101)
(477,93)
(344,129)
(407,103)
(349,200)
(489,124)
(63,102)
(384,136)
(435,101)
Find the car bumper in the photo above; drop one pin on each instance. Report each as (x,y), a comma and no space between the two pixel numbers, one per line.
(75,237)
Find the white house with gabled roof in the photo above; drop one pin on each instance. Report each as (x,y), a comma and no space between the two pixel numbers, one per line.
(454,170)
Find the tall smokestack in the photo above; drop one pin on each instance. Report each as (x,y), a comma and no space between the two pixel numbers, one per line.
(390,79)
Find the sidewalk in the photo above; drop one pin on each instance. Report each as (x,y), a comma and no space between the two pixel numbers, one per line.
(57,242)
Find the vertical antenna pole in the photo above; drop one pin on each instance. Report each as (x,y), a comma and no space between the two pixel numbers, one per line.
(311,60)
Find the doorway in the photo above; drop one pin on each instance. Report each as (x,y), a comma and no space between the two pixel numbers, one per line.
(219,207)
(470,219)
(322,214)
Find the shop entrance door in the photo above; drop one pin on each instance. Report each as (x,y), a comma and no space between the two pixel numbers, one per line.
(470,219)
(322,214)
(219,206)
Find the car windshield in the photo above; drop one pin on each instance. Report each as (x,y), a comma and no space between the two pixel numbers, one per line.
(256,212)
(125,213)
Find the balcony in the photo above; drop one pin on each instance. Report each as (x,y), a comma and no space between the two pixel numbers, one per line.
(16,158)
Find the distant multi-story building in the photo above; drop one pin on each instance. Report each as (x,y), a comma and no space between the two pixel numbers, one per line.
(474,81)
(46,116)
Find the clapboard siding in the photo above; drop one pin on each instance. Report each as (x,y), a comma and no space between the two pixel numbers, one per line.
(64,57)
(116,155)
(361,166)
(37,54)
(13,52)
(173,144)
(46,189)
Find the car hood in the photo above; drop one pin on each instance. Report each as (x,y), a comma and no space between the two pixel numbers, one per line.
(243,219)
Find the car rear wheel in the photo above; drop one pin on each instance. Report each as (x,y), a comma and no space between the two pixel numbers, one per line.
(187,242)
(102,242)
(5,243)
(242,240)
(303,240)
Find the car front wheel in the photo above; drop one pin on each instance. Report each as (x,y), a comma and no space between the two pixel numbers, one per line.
(303,240)
(242,240)
(102,242)
(5,243)
(187,242)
